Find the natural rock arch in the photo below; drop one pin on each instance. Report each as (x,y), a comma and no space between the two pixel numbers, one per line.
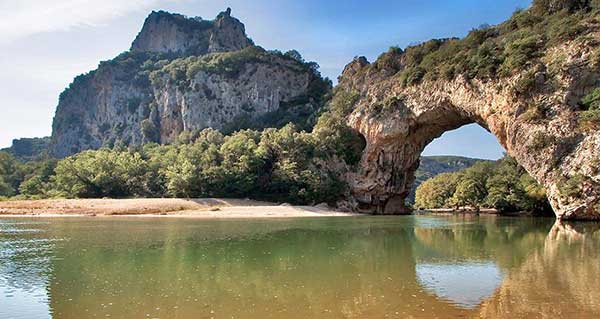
(399,120)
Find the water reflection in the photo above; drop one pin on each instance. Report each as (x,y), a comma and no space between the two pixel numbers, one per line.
(465,285)
(25,269)
(418,267)
(560,280)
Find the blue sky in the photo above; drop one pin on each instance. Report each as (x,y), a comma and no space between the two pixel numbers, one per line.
(45,44)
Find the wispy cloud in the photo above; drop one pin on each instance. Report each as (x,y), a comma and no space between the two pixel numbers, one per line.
(22,18)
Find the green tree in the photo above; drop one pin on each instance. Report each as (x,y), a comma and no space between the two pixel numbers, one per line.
(5,189)
(437,191)
(102,173)
(181,179)
(12,173)
(469,192)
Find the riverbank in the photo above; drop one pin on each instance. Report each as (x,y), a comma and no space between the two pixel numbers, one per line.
(162,207)
(454,211)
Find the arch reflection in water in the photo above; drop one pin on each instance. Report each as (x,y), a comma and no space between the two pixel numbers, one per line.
(466,284)
(310,268)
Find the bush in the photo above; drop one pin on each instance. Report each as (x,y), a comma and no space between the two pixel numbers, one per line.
(490,52)
(535,113)
(133,104)
(520,50)
(541,141)
(150,132)
(503,185)
(571,186)
(592,100)
(589,118)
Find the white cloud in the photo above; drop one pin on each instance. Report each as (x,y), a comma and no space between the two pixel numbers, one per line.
(27,17)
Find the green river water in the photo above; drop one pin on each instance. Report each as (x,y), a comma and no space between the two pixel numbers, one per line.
(344,267)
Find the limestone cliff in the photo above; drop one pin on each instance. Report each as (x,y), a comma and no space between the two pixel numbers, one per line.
(184,74)
(174,33)
(529,81)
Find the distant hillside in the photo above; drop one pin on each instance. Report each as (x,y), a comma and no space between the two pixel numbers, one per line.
(433,165)
(28,149)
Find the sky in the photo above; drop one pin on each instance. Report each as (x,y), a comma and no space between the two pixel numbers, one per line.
(45,44)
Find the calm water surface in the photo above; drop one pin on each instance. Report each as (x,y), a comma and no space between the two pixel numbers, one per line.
(355,267)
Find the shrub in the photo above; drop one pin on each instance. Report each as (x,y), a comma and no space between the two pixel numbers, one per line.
(592,100)
(489,52)
(133,104)
(571,186)
(520,50)
(525,84)
(541,141)
(150,132)
(535,113)
(590,117)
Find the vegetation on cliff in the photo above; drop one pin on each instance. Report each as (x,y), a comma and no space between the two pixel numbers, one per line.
(503,185)
(182,71)
(494,51)
(295,162)
(285,165)
(182,74)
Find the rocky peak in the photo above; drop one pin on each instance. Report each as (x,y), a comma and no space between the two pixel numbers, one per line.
(166,32)
(169,83)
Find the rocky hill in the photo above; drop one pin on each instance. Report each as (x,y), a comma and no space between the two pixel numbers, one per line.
(174,33)
(185,74)
(532,81)
(29,149)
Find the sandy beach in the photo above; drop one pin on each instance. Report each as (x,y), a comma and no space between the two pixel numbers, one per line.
(162,207)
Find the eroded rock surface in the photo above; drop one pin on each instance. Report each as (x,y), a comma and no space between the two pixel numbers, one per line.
(399,120)
(174,33)
(183,74)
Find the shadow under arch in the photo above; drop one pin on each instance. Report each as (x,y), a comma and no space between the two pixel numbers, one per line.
(398,120)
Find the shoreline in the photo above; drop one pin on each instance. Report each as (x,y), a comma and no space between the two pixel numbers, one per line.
(205,208)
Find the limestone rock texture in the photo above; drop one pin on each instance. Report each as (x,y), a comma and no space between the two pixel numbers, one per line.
(174,33)
(399,120)
(181,74)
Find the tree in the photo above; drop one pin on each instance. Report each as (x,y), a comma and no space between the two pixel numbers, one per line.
(11,171)
(468,193)
(437,191)
(5,189)
(293,54)
(181,179)
(102,173)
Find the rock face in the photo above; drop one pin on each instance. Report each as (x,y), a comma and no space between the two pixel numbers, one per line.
(173,33)
(183,74)
(399,120)
(28,149)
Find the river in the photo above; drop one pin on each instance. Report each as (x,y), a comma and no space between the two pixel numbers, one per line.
(342,267)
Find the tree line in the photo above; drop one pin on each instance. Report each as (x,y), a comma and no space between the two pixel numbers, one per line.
(284,165)
(503,185)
